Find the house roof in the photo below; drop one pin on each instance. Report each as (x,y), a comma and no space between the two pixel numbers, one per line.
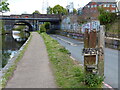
(103,1)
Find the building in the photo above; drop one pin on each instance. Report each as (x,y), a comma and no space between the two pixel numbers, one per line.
(79,11)
(90,11)
(70,7)
(118,5)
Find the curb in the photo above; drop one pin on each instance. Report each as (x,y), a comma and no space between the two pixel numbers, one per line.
(111,88)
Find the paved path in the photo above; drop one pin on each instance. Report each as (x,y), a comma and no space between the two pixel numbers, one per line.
(33,70)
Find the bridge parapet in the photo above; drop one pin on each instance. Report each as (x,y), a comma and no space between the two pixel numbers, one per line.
(35,15)
(32,19)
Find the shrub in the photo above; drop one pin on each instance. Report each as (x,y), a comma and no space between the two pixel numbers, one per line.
(93,80)
(42,28)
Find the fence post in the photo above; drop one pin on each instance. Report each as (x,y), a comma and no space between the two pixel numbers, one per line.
(101,45)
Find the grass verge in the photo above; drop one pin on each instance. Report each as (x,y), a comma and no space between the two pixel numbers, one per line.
(67,73)
(10,71)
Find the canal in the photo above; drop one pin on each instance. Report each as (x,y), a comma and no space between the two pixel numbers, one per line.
(11,43)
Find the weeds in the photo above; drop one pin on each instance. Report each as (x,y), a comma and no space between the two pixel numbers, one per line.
(67,74)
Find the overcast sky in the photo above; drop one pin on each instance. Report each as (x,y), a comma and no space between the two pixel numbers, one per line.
(29,6)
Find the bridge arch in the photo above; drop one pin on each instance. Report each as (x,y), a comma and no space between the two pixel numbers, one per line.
(24,23)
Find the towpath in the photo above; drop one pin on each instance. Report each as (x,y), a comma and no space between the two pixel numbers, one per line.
(33,70)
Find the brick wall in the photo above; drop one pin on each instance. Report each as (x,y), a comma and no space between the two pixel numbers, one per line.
(90,11)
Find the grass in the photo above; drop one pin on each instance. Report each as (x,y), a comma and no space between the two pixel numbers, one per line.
(10,71)
(67,73)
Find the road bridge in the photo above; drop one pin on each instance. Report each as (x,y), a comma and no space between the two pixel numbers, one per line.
(31,20)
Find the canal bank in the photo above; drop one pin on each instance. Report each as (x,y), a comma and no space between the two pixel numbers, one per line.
(8,70)
(11,43)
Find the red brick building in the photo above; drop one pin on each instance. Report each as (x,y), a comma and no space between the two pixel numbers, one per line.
(90,11)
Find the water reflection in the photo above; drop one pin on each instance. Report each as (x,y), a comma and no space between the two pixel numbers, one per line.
(20,35)
(11,43)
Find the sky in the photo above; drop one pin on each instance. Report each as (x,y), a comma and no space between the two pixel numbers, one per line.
(29,6)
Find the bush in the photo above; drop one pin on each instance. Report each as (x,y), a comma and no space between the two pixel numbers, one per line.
(106,17)
(93,80)
(42,28)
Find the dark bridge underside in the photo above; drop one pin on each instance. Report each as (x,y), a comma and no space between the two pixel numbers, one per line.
(24,23)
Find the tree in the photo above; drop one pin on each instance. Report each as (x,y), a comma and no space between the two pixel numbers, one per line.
(59,10)
(106,17)
(47,25)
(4,7)
(74,11)
(36,11)
(49,10)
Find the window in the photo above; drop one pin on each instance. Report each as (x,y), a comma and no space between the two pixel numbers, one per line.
(91,6)
(95,5)
(88,6)
(113,5)
(105,5)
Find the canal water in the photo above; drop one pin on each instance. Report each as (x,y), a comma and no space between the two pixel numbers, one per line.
(11,43)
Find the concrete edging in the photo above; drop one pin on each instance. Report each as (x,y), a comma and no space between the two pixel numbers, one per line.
(11,60)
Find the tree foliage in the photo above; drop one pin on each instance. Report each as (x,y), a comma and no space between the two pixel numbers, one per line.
(47,25)
(74,11)
(4,7)
(36,11)
(49,10)
(57,9)
(42,28)
(106,17)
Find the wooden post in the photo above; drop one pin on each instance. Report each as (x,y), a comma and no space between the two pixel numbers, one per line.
(92,44)
(101,50)
(89,45)
(86,39)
